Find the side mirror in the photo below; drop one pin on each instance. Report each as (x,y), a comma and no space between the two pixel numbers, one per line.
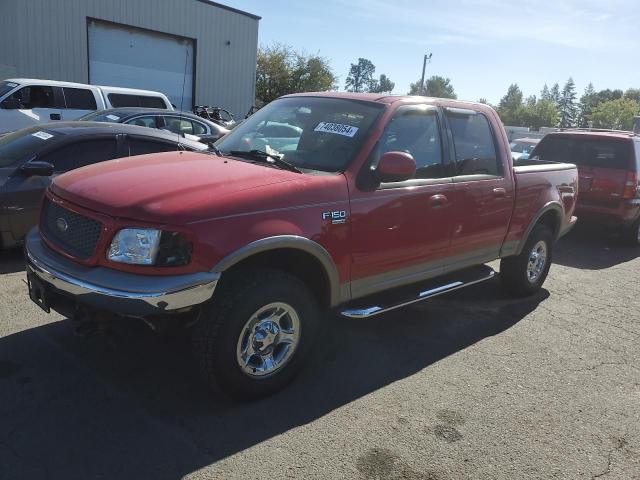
(10,104)
(31,169)
(395,167)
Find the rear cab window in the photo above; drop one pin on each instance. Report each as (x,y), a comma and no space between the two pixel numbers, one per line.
(129,100)
(474,144)
(604,152)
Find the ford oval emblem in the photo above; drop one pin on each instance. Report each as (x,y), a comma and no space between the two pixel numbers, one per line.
(62,224)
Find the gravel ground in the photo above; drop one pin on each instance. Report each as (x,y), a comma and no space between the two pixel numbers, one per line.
(470,385)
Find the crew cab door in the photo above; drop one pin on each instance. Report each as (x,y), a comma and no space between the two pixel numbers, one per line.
(401,231)
(483,184)
(31,105)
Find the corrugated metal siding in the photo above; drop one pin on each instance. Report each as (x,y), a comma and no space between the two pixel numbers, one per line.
(48,39)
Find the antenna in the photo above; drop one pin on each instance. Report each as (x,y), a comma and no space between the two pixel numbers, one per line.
(184,80)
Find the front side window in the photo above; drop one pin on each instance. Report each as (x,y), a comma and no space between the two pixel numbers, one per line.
(80,154)
(475,150)
(79,99)
(315,133)
(34,97)
(415,130)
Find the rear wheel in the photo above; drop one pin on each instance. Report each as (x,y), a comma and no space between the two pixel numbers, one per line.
(251,341)
(632,234)
(524,274)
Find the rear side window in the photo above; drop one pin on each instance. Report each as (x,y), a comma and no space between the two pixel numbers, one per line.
(198,128)
(141,146)
(80,154)
(178,125)
(127,100)
(588,152)
(475,150)
(79,99)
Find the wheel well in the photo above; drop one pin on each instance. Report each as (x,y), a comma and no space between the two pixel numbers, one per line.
(551,219)
(298,263)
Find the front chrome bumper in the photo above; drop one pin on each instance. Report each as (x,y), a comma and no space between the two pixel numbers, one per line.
(114,291)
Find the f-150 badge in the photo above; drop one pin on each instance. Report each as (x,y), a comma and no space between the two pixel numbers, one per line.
(337,216)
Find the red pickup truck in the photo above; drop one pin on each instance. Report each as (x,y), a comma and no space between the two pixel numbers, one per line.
(359,203)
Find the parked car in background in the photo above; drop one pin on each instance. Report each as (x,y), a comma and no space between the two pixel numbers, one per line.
(379,202)
(521,148)
(30,158)
(182,123)
(25,101)
(609,168)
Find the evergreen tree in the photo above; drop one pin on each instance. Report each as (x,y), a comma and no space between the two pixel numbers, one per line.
(567,105)
(511,107)
(555,93)
(545,94)
(588,101)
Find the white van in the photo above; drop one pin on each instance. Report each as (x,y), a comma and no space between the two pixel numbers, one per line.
(25,101)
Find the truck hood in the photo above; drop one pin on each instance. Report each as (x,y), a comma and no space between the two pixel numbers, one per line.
(182,187)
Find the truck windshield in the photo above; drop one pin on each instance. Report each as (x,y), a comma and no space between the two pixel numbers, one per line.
(22,144)
(6,87)
(315,133)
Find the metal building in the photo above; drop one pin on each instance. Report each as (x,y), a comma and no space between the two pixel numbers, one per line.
(195,51)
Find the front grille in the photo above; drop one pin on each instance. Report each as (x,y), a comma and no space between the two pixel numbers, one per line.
(73,233)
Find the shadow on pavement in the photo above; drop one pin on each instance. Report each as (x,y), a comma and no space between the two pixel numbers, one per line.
(11,261)
(591,248)
(75,408)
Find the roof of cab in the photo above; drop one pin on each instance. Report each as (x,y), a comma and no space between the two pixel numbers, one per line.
(56,83)
(390,99)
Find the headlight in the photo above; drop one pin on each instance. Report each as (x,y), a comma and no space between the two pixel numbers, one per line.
(137,246)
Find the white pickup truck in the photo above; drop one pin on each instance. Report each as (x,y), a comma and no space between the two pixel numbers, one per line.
(25,102)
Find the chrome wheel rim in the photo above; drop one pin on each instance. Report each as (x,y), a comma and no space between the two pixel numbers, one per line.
(268,340)
(537,261)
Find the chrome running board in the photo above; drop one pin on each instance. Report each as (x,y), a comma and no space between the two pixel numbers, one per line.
(398,298)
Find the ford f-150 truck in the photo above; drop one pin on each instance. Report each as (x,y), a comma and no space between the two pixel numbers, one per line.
(356,203)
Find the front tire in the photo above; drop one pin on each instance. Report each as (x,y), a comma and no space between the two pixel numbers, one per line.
(524,274)
(252,339)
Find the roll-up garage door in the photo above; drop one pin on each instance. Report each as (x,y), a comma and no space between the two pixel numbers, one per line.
(122,56)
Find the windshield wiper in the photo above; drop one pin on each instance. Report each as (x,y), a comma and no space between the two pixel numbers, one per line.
(263,156)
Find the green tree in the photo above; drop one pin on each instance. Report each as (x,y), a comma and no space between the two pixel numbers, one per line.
(483,101)
(588,101)
(545,94)
(616,114)
(511,107)
(633,94)
(281,70)
(360,76)
(435,86)
(608,95)
(383,85)
(567,105)
(543,113)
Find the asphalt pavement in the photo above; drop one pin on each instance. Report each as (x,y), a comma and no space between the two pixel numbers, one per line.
(469,385)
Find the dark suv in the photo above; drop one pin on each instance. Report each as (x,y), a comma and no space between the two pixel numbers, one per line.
(608,164)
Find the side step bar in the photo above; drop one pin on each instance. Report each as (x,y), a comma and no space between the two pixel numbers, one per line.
(375,305)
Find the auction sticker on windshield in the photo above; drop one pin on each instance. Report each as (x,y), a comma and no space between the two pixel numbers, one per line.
(115,118)
(337,128)
(42,135)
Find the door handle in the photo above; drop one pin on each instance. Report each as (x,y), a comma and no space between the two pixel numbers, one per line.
(500,192)
(55,116)
(438,201)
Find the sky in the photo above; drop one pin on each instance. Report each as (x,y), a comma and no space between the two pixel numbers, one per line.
(483,46)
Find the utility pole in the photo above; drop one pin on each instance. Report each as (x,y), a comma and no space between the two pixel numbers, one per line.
(427,58)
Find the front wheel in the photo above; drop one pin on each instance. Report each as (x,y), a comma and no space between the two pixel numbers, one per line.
(252,339)
(524,274)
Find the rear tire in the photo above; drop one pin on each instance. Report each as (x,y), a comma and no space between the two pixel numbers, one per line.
(631,234)
(252,339)
(524,274)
